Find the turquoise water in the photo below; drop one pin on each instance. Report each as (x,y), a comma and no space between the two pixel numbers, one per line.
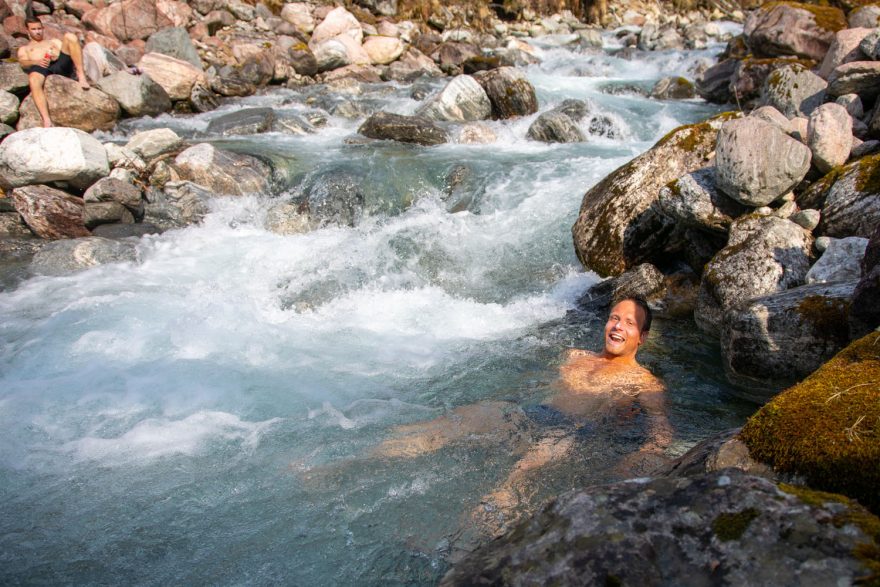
(205,414)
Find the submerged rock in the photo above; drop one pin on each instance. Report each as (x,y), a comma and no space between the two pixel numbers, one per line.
(66,256)
(334,198)
(687,531)
(673,88)
(222,172)
(825,429)
(406,129)
(178,204)
(773,341)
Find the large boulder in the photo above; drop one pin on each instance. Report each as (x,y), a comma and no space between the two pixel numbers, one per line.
(338,21)
(150,144)
(128,20)
(99,61)
(764,255)
(8,107)
(602,234)
(867,16)
(174,42)
(793,90)
(771,342)
(138,95)
(222,172)
(724,527)
(829,136)
(840,261)
(510,93)
(337,52)
(864,313)
(825,429)
(67,256)
(50,213)
(463,99)
(177,204)
(406,129)
(673,88)
(44,155)
(851,204)
(177,77)
(789,28)
(71,106)
(844,48)
(756,162)
(693,200)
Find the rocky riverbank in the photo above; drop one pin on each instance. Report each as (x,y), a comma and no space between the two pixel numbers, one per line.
(759,224)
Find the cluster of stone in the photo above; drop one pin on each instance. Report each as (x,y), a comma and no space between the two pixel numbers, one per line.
(757,224)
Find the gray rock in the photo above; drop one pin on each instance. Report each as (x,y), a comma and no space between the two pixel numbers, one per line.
(12,226)
(245,121)
(773,116)
(150,144)
(789,29)
(463,99)
(202,98)
(138,95)
(98,62)
(851,205)
(771,342)
(8,107)
(846,47)
(869,44)
(222,172)
(287,218)
(292,124)
(694,201)
(44,155)
(109,189)
(175,42)
(120,231)
(867,16)
(603,233)
(764,255)
(5,131)
(51,214)
(676,531)
(673,88)
(714,83)
(176,205)
(794,90)
(555,127)
(807,219)
(334,198)
(756,162)
(864,149)
(407,129)
(829,136)
(67,256)
(644,281)
(864,313)
(856,77)
(841,261)
(853,104)
(509,91)
(12,78)
(97,213)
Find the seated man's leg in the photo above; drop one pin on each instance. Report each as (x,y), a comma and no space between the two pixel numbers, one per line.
(70,45)
(36,82)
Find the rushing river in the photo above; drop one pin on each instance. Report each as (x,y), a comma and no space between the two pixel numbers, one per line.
(206,414)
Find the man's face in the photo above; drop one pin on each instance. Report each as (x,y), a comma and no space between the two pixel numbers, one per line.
(35,31)
(623,331)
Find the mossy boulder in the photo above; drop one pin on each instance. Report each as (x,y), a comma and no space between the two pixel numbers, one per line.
(722,528)
(865,312)
(827,428)
(851,204)
(793,89)
(603,237)
(770,342)
(790,28)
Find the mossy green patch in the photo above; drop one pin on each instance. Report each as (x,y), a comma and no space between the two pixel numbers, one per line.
(731,526)
(867,171)
(827,428)
(828,317)
(826,17)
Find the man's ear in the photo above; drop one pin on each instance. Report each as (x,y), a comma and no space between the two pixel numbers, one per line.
(643,336)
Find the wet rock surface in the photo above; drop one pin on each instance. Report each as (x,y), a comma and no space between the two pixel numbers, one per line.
(723,528)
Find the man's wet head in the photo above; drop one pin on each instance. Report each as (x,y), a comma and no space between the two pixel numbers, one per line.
(626,329)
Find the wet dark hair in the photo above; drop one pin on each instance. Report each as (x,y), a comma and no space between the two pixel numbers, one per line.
(641,303)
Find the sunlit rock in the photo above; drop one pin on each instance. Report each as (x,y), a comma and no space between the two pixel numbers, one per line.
(44,155)
(50,213)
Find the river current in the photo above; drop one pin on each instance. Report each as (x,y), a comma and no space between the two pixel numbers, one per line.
(205,415)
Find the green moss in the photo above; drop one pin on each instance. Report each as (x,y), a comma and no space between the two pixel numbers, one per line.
(827,316)
(729,527)
(827,428)
(826,17)
(867,171)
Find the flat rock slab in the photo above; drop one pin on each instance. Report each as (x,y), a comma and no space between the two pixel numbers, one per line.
(723,528)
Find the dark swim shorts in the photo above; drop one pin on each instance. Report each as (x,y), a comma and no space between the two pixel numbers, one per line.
(61,66)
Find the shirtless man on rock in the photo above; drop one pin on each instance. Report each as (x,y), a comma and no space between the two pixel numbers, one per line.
(42,57)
